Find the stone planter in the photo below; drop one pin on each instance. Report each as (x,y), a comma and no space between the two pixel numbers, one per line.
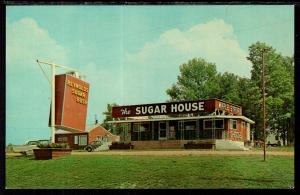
(50,153)
(198,146)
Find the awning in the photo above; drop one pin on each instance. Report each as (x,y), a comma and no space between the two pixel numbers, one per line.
(184,118)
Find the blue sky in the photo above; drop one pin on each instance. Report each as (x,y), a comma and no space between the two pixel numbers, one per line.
(129,54)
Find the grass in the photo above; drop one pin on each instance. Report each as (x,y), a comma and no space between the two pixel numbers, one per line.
(125,172)
(279,149)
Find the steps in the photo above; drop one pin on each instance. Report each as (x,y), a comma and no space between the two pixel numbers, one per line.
(230,145)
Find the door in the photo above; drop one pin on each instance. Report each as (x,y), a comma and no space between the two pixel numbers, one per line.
(181,129)
(162,130)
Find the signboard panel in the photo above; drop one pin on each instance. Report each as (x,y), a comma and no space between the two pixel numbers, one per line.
(228,107)
(163,108)
(211,105)
(71,101)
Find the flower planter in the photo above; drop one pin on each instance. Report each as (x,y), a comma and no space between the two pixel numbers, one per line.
(198,146)
(50,153)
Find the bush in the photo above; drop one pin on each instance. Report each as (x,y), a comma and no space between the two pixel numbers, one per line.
(54,145)
(191,142)
(120,143)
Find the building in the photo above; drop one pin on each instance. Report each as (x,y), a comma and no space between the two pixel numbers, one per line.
(97,132)
(171,125)
(74,140)
(78,140)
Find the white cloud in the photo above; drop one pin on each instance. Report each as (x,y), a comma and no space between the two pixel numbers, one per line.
(157,63)
(26,41)
(27,91)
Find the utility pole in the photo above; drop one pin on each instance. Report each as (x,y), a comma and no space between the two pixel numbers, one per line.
(264,101)
(53,66)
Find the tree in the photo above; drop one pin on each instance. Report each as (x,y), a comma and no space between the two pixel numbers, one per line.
(279,88)
(197,80)
(108,116)
(117,129)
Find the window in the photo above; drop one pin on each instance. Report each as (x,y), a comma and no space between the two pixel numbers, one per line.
(207,124)
(82,140)
(76,139)
(162,130)
(162,125)
(136,127)
(62,139)
(140,127)
(219,124)
(141,131)
(233,124)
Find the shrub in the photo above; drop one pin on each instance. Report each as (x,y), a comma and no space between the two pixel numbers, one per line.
(191,142)
(118,143)
(54,145)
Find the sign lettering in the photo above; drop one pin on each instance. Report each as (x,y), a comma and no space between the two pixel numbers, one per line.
(79,91)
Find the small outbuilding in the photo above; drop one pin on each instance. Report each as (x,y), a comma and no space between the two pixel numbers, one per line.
(78,140)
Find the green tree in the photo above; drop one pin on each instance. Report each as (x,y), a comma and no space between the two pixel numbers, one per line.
(197,79)
(116,129)
(279,88)
(108,116)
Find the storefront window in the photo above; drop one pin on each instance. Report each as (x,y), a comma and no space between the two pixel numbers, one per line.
(162,130)
(219,124)
(190,130)
(141,131)
(207,124)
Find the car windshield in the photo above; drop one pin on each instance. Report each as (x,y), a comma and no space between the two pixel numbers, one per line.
(32,143)
(44,141)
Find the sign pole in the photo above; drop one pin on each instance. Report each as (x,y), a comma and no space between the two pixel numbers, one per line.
(53,66)
(264,102)
(53,105)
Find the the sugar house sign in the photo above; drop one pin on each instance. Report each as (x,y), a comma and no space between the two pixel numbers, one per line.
(175,108)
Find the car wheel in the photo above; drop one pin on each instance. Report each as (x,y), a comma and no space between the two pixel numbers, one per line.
(89,149)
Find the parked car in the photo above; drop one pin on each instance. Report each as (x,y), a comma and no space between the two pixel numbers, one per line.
(273,144)
(27,148)
(92,146)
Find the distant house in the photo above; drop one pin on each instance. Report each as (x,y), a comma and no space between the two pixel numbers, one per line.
(97,132)
(74,140)
(81,139)
(273,138)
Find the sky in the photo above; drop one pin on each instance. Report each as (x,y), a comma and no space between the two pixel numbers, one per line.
(128,54)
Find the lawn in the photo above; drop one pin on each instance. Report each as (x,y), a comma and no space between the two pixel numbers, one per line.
(124,172)
(280,148)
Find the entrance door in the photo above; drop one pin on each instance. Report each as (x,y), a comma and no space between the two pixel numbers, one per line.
(181,129)
(162,130)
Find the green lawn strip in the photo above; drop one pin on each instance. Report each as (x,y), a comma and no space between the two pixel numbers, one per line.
(279,149)
(95,171)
